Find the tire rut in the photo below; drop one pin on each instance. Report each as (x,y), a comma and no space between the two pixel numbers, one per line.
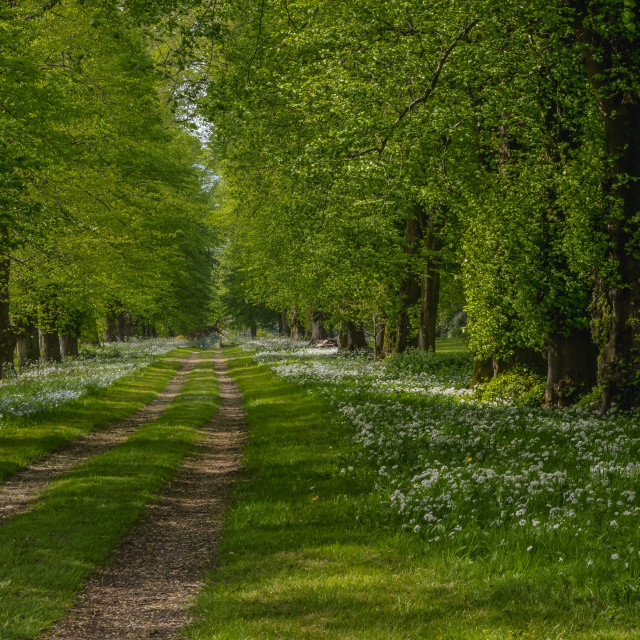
(20,491)
(159,567)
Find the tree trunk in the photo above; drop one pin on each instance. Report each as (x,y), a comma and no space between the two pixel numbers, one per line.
(50,343)
(9,354)
(572,367)
(110,327)
(283,324)
(318,330)
(352,336)
(482,371)
(69,346)
(7,331)
(410,294)
(343,336)
(390,340)
(123,327)
(148,330)
(357,337)
(430,290)
(28,343)
(296,326)
(116,325)
(254,329)
(379,330)
(49,340)
(616,307)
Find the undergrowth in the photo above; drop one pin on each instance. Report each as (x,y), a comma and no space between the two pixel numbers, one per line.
(520,386)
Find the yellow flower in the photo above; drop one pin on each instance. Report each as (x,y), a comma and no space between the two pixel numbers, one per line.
(314,498)
(469,459)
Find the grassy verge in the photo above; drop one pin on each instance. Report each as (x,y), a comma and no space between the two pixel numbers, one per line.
(305,555)
(25,439)
(46,554)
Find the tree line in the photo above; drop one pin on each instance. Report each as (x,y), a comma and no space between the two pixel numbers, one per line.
(381,158)
(374,164)
(105,199)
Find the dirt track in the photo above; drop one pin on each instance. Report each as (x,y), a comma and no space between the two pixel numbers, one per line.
(19,492)
(149,586)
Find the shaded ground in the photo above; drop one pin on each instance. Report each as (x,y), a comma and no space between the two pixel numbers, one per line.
(19,492)
(156,572)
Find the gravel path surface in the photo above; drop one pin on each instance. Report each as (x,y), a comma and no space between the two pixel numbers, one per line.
(154,575)
(20,491)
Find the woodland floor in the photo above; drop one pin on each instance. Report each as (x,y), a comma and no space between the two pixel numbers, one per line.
(19,492)
(149,581)
(118,535)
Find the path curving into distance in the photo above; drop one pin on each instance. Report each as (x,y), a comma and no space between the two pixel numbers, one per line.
(19,492)
(154,575)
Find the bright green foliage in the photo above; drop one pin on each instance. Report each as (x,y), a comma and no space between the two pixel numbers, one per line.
(118,203)
(318,176)
(332,122)
(238,312)
(521,387)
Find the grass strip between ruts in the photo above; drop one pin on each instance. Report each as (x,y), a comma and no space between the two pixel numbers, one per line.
(46,554)
(305,554)
(28,438)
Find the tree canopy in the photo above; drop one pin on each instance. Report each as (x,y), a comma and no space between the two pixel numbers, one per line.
(105,200)
(368,150)
(359,165)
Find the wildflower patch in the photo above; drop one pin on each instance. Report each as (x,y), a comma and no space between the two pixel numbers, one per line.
(472,474)
(46,386)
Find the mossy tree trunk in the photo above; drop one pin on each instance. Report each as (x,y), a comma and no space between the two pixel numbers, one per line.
(571,367)
(612,65)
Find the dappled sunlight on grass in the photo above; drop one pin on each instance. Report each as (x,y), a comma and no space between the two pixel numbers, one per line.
(309,553)
(46,553)
(552,487)
(27,437)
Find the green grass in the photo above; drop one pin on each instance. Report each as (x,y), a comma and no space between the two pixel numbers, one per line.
(46,554)
(305,554)
(25,439)
(451,345)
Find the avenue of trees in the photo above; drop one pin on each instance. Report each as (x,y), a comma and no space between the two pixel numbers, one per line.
(375,164)
(381,158)
(105,214)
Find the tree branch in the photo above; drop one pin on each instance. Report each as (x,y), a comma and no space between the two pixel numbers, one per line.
(422,98)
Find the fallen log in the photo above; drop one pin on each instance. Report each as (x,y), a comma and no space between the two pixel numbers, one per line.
(329,342)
